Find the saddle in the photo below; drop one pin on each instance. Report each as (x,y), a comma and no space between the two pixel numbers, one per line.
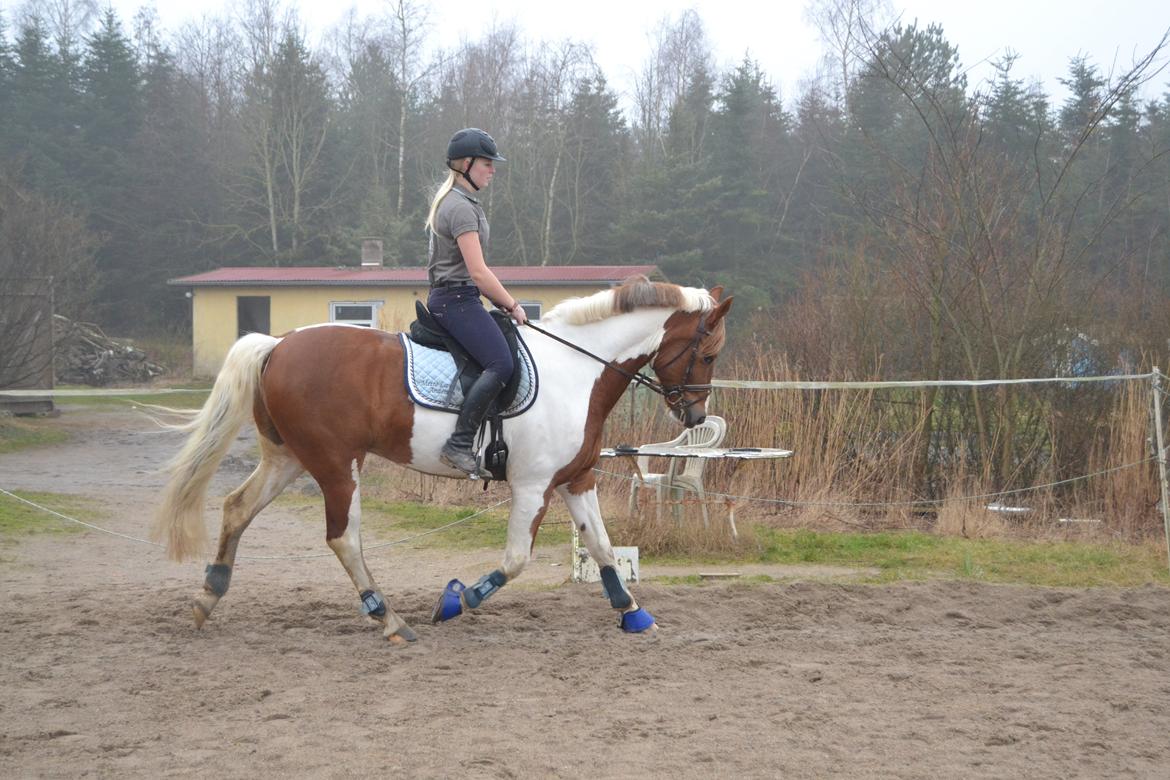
(441,372)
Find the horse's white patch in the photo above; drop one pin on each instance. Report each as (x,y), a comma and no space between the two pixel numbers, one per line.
(354,525)
(348,546)
(330,325)
(647,347)
(600,306)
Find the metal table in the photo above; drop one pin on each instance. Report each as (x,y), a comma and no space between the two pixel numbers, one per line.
(736,454)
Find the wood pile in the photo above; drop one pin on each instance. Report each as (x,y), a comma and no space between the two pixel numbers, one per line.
(84,355)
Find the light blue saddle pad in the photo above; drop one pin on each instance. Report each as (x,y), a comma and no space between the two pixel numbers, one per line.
(431,379)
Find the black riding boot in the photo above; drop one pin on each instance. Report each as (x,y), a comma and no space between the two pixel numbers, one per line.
(457,452)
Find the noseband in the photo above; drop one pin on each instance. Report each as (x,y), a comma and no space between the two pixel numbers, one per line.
(674,395)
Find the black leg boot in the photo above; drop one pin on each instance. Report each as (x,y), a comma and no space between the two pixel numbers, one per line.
(457,452)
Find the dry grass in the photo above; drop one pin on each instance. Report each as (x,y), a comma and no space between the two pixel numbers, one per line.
(862,463)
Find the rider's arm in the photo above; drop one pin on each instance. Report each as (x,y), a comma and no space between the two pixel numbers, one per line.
(483,277)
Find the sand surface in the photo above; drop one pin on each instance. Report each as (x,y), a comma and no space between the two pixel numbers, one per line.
(104,673)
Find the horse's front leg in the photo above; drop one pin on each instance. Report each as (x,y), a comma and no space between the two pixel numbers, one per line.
(586,512)
(528,508)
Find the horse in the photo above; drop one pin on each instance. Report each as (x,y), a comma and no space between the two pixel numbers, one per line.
(322,397)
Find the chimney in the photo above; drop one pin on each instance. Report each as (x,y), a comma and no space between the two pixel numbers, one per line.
(371,253)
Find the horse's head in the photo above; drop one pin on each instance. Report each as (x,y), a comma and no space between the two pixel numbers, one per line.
(685,360)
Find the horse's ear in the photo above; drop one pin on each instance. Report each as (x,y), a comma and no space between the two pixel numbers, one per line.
(717,292)
(720,311)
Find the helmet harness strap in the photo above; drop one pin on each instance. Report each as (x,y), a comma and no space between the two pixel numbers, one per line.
(467,175)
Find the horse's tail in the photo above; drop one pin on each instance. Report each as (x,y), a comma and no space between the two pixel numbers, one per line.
(179,520)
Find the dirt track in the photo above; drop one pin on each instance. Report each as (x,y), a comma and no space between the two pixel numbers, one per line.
(104,673)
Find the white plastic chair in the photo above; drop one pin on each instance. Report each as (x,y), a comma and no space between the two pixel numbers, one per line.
(705,435)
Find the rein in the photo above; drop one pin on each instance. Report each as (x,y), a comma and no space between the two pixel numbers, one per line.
(673,394)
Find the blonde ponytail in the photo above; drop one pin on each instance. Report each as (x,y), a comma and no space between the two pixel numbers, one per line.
(444,188)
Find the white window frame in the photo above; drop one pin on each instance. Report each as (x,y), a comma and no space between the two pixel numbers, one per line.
(372,322)
(532,309)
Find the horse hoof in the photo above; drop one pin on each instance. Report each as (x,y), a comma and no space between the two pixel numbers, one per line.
(403,636)
(450,604)
(199,613)
(637,621)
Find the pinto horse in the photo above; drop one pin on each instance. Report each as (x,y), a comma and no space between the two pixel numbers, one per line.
(323,397)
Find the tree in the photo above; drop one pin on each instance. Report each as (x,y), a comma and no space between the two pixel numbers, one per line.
(845,27)
(749,148)
(41,242)
(678,51)
(596,156)
(45,116)
(302,110)
(112,108)
(408,37)
(1014,115)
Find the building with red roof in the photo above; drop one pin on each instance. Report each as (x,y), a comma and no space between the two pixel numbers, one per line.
(228,302)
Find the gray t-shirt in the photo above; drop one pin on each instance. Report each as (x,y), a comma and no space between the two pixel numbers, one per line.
(459,212)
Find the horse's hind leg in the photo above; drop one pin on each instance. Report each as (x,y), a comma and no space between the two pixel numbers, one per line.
(586,512)
(343,521)
(277,469)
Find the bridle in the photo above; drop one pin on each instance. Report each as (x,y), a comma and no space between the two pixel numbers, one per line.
(674,395)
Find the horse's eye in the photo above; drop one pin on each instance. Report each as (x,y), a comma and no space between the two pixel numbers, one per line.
(709,359)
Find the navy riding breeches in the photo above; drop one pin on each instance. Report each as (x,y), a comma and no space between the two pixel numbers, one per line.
(458,309)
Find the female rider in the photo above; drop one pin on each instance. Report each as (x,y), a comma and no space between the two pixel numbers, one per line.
(459,276)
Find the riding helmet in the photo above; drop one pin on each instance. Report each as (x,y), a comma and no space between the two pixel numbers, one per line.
(473,142)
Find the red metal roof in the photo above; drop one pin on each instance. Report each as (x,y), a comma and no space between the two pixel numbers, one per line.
(351,276)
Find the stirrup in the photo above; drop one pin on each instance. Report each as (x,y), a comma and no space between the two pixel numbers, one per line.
(448,456)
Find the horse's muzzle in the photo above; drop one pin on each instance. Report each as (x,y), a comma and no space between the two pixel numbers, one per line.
(694,415)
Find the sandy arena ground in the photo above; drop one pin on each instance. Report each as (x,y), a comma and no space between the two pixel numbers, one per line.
(104,673)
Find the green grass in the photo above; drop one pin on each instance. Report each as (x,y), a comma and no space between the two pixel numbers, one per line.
(914,556)
(896,556)
(187,400)
(18,520)
(390,520)
(17,434)
(394,519)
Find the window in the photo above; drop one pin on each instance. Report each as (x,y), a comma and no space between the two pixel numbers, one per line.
(363,313)
(253,314)
(531,309)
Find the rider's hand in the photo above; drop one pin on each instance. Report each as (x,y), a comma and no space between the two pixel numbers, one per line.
(518,314)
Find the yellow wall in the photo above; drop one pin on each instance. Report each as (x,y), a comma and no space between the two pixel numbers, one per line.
(214,324)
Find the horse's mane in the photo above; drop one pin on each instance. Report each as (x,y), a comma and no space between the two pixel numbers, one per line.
(633,293)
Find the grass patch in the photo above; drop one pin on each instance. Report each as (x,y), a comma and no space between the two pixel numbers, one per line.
(897,556)
(18,520)
(913,556)
(389,520)
(193,399)
(17,434)
(489,530)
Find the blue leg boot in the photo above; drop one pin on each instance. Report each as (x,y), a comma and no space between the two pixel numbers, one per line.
(634,620)
(457,596)
(449,605)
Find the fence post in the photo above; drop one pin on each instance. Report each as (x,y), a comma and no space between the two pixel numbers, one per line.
(1161,444)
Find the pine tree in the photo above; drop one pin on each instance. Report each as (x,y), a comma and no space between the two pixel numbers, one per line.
(45,112)
(7,74)
(597,154)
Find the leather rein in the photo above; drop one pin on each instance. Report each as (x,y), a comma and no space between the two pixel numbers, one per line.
(674,395)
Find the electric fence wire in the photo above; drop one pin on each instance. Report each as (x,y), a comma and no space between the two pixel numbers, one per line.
(306,556)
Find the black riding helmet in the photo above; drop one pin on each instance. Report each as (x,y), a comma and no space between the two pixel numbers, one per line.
(472,142)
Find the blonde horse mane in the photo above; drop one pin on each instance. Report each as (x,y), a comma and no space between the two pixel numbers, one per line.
(633,293)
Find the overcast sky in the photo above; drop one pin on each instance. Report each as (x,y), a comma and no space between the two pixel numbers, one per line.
(1045,33)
